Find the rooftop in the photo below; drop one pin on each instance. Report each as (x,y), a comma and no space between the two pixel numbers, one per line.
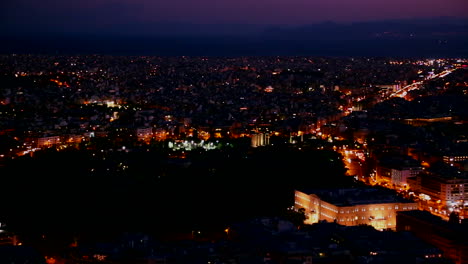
(358,196)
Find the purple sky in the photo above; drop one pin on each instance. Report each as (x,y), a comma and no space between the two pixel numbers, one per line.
(100,13)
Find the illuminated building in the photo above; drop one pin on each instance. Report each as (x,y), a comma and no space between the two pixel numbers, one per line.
(426,121)
(144,133)
(260,139)
(397,171)
(456,160)
(74,138)
(389,87)
(354,206)
(48,141)
(160,134)
(447,186)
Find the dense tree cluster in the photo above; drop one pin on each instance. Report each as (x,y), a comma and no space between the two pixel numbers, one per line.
(83,190)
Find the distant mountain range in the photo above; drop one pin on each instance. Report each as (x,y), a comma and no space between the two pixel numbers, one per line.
(431,37)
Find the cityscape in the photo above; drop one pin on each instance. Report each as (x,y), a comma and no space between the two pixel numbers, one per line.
(234,132)
(268,159)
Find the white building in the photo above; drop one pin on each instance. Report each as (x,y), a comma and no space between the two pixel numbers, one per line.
(354,206)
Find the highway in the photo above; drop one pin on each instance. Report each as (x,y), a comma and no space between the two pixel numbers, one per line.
(403,91)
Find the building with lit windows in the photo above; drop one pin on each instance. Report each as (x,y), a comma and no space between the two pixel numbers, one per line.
(48,141)
(455,160)
(144,133)
(396,171)
(373,206)
(445,185)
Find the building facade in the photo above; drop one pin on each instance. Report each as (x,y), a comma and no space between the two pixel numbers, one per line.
(450,191)
(260,139)
(351,207)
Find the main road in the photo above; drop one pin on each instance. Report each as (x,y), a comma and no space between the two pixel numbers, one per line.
(403,91)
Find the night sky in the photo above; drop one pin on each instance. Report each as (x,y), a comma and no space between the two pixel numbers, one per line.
(96,15)
(426,28)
